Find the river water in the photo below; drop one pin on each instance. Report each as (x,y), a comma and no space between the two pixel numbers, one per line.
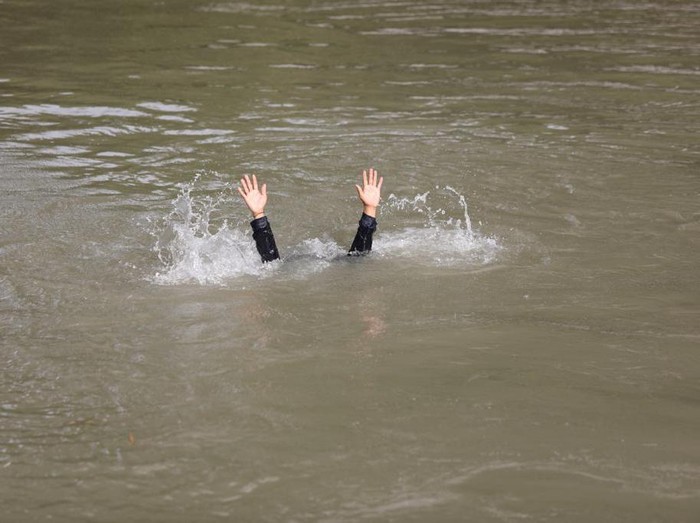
(522,344)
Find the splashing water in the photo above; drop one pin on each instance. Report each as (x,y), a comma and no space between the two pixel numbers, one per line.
(193,248)
(444,238)
(190,252)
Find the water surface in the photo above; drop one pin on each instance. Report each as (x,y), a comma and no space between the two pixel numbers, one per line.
(521,344)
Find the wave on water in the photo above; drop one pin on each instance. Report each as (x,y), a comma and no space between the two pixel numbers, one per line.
(429,229)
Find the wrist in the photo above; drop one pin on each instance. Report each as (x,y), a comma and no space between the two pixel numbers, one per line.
(257,215)
(370,211)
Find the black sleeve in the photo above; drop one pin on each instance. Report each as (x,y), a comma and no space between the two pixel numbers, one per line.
(264,240)
(363,239)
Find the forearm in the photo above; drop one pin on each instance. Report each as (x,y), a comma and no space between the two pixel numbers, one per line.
(264,239)
(363,238)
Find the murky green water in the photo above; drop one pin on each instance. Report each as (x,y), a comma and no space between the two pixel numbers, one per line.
(544,366)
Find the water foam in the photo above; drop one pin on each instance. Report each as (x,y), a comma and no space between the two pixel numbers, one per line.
(195,248)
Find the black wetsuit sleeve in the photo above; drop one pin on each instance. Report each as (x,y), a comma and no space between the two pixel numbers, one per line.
(363,239)
(264,239)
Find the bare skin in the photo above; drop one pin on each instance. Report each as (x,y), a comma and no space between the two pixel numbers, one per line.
(370,192)
(254,198)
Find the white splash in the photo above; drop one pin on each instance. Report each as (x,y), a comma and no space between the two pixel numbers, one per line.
(192,253)
(428,229)
(443,234)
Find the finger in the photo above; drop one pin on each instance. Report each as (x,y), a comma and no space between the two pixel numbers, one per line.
(379,185)
(364,178)
(255,183)
(241,191)
(374,177)
(263,190)
(248,185)
(243,184)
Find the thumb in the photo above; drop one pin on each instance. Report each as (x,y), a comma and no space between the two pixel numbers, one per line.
(359,191)
(263,189)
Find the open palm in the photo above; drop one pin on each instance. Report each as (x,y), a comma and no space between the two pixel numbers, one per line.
(370,192)
(255,198)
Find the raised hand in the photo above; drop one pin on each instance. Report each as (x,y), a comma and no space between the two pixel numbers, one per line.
(370,192)
(253,197)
